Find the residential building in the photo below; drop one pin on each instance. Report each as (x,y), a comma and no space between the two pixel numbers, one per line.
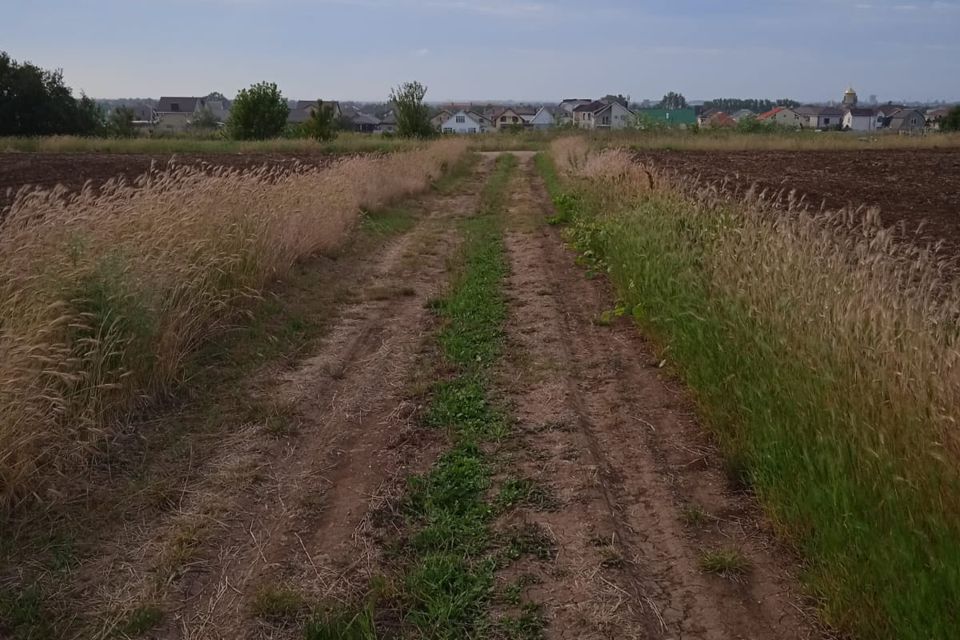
(603,115)
(173,114)
(720,120)
(566,108)
(438,120)
(906,121)
(741,114)
(513,117)
(668,117)
(363,122)
(388,123)
(936,116)
(544,119)
(301,110)
(820,118)
(782,117)
(861,119)
(465,122)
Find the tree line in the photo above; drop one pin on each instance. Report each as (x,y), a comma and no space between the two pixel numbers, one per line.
(37,102)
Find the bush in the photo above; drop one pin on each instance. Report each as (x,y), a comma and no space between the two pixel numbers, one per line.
(413,116)
(258,113)
(322,125)
(951,122)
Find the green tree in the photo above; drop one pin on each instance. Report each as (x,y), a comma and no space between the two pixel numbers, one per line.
(204,120)
(413,116)
(120,123)
(258,113)
(951,121)
(673,101)
(36,102)
(322,124)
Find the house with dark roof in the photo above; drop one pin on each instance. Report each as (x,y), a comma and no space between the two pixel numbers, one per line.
(174,114)
(388,123)
(603,115)
(566,107)
(302,110)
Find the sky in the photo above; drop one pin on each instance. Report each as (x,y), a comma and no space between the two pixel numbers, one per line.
(495,49)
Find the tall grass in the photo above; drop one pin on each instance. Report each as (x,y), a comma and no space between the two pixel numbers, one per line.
(826,357)
(103,296)
(345,143)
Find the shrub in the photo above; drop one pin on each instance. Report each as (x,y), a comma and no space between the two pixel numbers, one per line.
(258,113)
(413,116)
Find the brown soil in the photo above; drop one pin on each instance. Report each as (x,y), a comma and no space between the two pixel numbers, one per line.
(73,170)
(908,186)
(618,444)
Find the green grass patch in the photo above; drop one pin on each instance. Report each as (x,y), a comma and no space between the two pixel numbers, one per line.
(141,620)
(845,469)
(728,563)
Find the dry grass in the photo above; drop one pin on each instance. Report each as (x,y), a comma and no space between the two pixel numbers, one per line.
(104,296)
(825,350)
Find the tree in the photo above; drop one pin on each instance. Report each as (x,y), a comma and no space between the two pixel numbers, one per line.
(36,102)
(258,113)
(673,101)
(204,120)
(951,121)
(413,116)
(120,123)
(622,99)
(322,124)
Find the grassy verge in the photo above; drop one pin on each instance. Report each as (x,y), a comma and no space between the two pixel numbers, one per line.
(826,379)
(40,548)
(345,143)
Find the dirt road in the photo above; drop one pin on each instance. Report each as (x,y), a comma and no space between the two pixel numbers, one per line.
(291,506)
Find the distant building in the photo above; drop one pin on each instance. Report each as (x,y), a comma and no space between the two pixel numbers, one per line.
(438,120)
(173,114)
(302,110)
(861,119)
(603,115)
(669,117)
(820,118)
(906,121)
(513,117)
(782,117)
(741,114)
(720,120)
(566,108)
(388,123)
(465,122)
(543,119)
(849,98)
(363,122)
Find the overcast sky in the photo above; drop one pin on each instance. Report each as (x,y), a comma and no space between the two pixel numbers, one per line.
(495,49)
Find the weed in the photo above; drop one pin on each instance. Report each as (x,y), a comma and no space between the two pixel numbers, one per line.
(529,539)
(694,516)
(524,492)
(529,625)
(23,614)
(728,563)
(279,605)
(342,624)
(141,620)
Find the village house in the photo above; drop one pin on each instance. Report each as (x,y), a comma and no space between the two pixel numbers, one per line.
(302,110)
(566,108)
(438,120)
(782,117)
(543,119)
(906,121)
(861,119)
(388,123)
(603,115)
(173,114)
(741,114)
(720,120)
(466,122)
(513,117)
(820,118)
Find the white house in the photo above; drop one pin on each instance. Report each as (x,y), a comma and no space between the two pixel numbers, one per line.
(465,122)
(543,119)
(860,119)
(603,115)
(814,117)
